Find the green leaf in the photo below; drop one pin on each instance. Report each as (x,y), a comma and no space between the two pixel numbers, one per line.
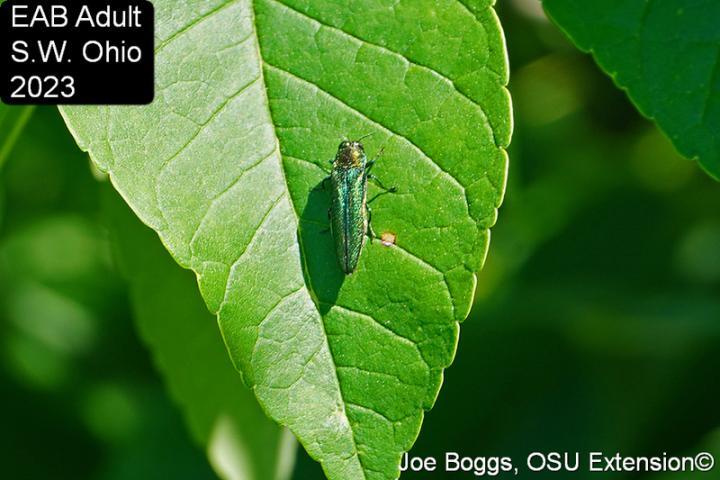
(223,416)
(666,54)
(251,102)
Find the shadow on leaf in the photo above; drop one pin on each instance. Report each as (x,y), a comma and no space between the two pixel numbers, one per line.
(320,266)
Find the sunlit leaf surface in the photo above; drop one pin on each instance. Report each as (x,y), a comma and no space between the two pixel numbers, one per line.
(252,99)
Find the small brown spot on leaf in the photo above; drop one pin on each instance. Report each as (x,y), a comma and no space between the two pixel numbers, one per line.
(388,239)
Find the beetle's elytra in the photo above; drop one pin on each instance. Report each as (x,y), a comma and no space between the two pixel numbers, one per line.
(349,211)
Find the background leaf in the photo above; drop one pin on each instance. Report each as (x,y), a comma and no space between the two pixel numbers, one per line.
(666,54)
(252,100)
(223,416)
(72,371)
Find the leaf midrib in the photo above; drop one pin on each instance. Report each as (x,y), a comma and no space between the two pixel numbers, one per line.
(301,246)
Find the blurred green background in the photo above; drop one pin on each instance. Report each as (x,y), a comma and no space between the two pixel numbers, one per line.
(596,324)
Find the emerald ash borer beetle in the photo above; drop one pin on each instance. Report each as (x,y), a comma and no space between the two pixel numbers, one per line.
(349,212)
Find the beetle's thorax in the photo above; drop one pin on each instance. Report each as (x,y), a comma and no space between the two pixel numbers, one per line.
(350,155)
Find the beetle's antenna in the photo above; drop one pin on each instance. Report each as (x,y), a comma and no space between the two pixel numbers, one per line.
(365,136)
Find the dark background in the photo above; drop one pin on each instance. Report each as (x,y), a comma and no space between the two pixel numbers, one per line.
(596,324)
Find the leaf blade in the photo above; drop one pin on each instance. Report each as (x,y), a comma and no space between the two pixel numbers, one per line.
(348,363)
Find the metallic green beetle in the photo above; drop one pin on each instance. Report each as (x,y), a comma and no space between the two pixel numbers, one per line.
(349,211)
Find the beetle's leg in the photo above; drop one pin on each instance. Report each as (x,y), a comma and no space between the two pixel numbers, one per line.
(370,164)
(370,232)
(377,182)
(378,195)
(326,230)
(370,176)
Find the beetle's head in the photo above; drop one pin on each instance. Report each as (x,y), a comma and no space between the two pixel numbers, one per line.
(350,154)
(354,144)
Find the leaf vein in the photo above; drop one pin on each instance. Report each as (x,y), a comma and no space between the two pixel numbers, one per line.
(223,192)
(406,340)
(213,116)
(249,244)
(194,23)
(380,374)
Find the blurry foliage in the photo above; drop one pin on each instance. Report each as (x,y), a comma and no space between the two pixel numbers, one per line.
(595,326)
(173,321)
(78,394)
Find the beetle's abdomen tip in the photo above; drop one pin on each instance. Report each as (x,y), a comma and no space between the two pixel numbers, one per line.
(347,269)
